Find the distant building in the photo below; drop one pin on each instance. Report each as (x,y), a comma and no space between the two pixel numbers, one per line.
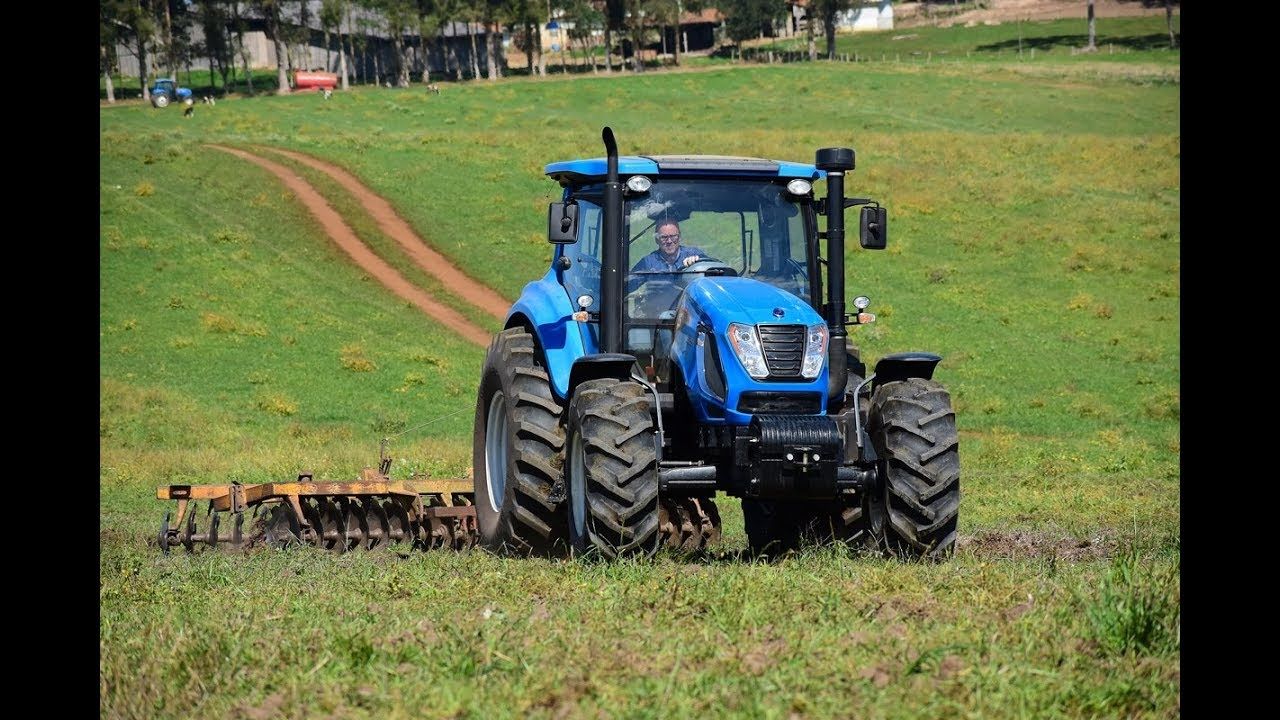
(864,15)
(867,16)
(697,32)
(445,54)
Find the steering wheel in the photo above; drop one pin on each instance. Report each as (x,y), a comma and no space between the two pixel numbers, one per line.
(711,267)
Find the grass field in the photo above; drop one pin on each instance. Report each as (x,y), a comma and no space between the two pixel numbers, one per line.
(1121,40)
(1034,244)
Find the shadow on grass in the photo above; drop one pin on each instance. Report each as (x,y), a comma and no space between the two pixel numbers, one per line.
(1075,41)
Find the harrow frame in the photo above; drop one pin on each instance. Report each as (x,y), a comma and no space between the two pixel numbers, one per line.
(372,511)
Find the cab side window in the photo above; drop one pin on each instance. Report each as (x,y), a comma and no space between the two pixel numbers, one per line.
(583,276)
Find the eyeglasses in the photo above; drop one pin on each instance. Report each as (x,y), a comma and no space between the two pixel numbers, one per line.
(669,238)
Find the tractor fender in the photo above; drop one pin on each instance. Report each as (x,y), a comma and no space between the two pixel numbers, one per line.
(900,366)
(544,308)
(601,365)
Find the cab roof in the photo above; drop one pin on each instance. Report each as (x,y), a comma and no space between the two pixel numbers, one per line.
(573,172)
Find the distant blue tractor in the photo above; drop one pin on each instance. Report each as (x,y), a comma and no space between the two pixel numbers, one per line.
(166,90)
(618,401)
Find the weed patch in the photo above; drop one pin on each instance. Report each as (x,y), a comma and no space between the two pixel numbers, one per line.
(1137,606)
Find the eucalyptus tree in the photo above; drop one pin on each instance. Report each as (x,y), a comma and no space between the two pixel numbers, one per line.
(472,12)
(112,29)
(430,19)
(528,16)
(586,20)
(615,14)
(495,11)
(667,13)
(637,12)
(810,17)
(332,15)
(175,17)
(1092,46)
(1168,18)
(399,17)
(217,46)
(139,20)
(450,13)
(828,10)
(272,11)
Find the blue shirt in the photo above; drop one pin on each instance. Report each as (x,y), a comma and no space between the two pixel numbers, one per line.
(655,262)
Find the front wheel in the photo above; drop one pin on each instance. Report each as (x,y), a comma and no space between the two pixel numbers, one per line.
(517,452)
(913,429)
(612,470)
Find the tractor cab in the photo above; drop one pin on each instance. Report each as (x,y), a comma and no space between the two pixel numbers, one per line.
(687,219)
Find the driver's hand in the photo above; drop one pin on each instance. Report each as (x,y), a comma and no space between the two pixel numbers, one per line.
(690,260)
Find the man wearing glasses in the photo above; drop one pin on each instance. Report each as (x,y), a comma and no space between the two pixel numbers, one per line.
(670,255)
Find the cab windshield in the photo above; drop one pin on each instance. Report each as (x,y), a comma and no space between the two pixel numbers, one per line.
(748,228)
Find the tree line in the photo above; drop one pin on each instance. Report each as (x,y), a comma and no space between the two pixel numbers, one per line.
(160,32)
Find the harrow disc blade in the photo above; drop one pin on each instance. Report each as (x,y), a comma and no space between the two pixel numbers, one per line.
(398,519)
(311,511)
(711,530)
(688,524)
(190,532)
(281,528)
(212,537)
(675,526)
(333,523)
(379,526)
(463,538)
(164,534)
(439,534)
(355,524)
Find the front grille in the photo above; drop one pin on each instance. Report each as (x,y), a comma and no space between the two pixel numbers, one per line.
(783,349)
(798,403)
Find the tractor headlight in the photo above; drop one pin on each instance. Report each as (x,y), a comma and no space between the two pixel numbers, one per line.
(746,345)
(639,184)
(799,187)
(815,351)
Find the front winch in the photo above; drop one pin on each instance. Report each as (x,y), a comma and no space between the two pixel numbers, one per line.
(790,456)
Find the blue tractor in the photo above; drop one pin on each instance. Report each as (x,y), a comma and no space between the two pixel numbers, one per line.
(625,393)
(166,90)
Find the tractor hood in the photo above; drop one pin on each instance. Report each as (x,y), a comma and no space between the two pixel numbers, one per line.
(723,300)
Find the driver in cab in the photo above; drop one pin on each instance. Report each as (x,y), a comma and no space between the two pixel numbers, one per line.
(670,256)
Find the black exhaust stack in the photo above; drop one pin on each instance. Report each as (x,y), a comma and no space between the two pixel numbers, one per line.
(836,162)
(610,271)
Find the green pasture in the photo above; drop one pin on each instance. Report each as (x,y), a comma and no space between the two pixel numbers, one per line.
(1034,243)
(1121,40)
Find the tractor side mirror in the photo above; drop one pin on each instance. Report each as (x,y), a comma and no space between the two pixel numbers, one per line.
(562,223)
(873,230)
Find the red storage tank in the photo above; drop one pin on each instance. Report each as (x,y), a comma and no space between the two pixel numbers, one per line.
(313,80)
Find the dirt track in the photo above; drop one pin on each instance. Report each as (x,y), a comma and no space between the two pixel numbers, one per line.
(345,237)
(397,229)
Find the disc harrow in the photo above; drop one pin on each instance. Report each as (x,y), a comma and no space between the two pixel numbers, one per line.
(688,524)
(367,514)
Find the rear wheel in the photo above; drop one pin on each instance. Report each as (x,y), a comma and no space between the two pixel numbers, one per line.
(517,453)
(161,100)
(612,469)
(913,429)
